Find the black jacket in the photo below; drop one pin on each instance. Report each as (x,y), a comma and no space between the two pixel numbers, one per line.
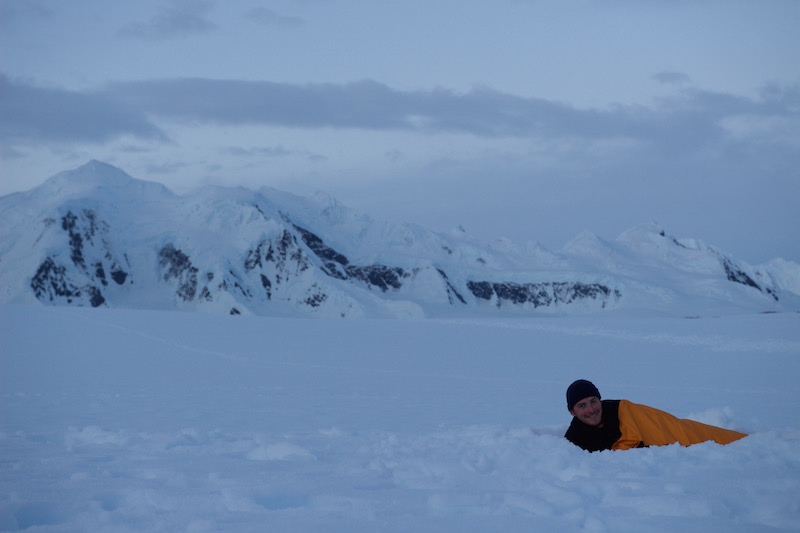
(593,438)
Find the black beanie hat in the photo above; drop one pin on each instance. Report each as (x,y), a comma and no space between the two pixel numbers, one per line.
(579,390)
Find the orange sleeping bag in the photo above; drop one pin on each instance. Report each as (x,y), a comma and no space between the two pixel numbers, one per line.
(653,427)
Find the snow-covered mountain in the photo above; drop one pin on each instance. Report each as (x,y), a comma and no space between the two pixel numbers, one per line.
(95,236)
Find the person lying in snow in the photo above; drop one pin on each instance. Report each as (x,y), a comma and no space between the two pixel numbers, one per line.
(622,425)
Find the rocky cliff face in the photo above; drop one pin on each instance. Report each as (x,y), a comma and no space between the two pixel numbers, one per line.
(97,237)
(543,294)
(78,272)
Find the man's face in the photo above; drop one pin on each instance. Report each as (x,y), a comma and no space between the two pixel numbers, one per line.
(589,411)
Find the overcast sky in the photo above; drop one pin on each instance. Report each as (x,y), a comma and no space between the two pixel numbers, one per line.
(527,119)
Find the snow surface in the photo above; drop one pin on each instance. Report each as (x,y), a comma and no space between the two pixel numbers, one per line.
(126,420)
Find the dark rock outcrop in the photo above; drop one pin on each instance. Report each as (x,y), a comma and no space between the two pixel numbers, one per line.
(338,266)
(542,294)
(177,265)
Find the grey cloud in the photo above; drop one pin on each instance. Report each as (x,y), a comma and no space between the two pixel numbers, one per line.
(698,118)
(357,105)
(270,151)
(688,120)
(165,168)
(179,18)
(394,155)
(670,77)
(365,105)
(263,15)
(40,114)
(10,13)
(781,97)
(8,152)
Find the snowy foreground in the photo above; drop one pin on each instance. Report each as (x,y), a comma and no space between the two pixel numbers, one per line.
(117,420)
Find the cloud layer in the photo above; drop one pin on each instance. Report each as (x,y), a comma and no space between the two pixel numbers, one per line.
(689,119)
(39,115)
(177,19)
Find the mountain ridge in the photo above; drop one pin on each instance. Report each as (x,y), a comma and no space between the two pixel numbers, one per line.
(96,236)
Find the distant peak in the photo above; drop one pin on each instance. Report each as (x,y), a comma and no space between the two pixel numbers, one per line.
(585,236)
(94,163)
(461,234)
(650,230)
(93,177)
(654,227)
(94,171)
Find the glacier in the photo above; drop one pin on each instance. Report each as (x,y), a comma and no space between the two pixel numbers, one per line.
(141,420)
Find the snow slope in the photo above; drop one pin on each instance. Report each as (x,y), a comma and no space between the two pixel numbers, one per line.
(131,420)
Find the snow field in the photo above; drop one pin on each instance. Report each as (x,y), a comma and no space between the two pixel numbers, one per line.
(119,420)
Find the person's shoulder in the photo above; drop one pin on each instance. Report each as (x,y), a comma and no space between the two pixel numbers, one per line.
(608,404)
(611,411)
(573,430)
